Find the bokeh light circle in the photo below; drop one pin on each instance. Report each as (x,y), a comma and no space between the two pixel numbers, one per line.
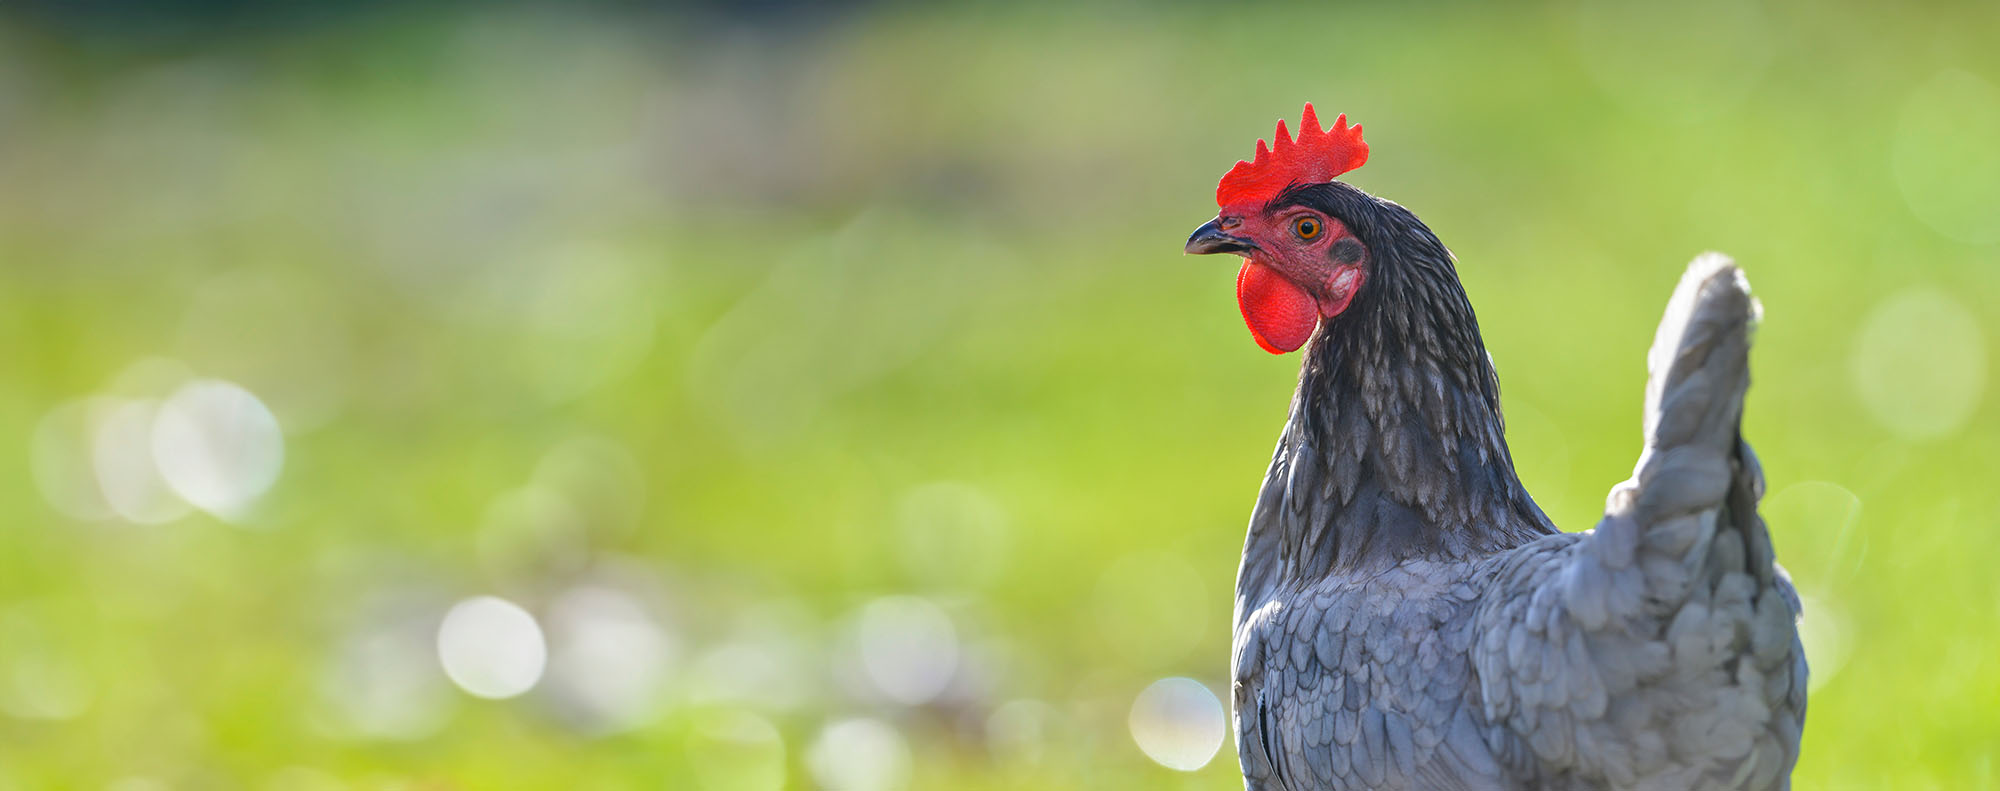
(122,455)
(1945,159)
(217,446)
(1919,363)
(860,755)
(908,647)
(608,659)
(491,648)
(1178,723)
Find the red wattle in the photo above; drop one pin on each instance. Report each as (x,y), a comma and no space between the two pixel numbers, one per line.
(1281,315)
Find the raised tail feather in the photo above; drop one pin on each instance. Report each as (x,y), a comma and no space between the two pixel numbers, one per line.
(1705,553)
(1695,461)
(1698,368)
(1688,519)
(1678,664)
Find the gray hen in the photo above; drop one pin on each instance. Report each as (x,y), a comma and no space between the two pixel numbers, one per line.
(1406,616)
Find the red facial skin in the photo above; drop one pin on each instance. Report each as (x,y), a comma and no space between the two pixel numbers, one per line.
(1310,263)
(1297,274)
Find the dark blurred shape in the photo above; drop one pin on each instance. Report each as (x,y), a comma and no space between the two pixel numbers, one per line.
(169,20)
(171,23)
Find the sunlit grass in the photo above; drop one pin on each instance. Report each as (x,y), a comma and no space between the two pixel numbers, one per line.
(852,376)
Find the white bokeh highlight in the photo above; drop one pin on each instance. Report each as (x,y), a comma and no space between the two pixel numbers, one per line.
(491,648)
(1919,363)
(861,754)
(122,456)
(217,446)
(1179,723)
(157,442)
(609,659)
(908,646)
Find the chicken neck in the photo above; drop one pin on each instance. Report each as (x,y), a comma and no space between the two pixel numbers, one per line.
(1395,448)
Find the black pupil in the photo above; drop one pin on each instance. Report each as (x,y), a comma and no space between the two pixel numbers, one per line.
(1308,227)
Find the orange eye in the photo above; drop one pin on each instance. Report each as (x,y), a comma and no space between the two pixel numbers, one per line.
(1305,227)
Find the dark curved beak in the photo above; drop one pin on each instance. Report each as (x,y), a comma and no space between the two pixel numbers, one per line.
(1210,238)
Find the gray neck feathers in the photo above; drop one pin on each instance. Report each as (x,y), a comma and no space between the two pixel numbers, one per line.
(1395,449)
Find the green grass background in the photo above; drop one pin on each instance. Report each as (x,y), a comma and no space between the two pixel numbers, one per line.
(797,265)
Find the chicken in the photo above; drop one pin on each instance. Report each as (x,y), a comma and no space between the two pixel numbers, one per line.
(1406,615)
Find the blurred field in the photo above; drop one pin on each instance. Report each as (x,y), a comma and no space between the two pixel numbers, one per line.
(829,387)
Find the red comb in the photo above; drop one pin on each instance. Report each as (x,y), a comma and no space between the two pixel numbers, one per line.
(1315,157)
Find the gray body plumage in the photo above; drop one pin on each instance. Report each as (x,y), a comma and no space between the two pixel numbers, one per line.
(1407,618)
